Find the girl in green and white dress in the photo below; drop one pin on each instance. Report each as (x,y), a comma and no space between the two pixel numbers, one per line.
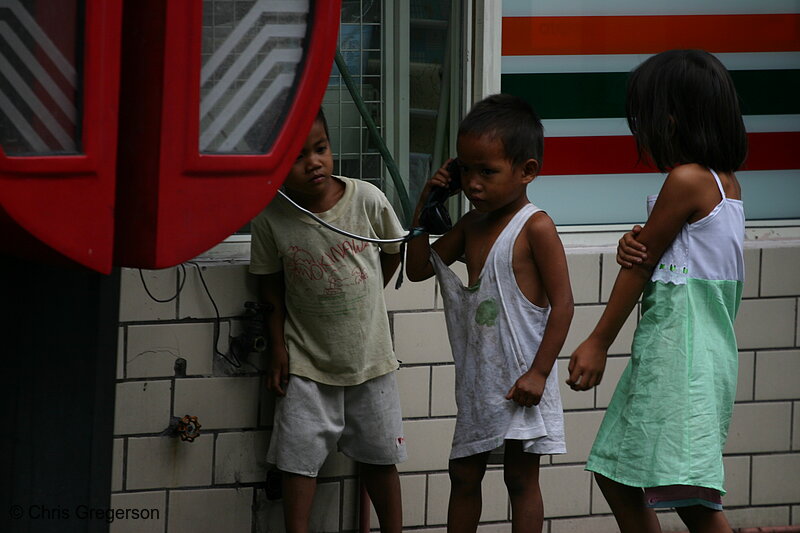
(661,441)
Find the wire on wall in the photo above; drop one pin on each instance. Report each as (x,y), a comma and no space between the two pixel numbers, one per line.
(235,362)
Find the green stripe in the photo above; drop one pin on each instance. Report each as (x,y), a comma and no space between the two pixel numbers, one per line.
(602,94)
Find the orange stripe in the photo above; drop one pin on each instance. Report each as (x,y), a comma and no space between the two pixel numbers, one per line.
(650,34)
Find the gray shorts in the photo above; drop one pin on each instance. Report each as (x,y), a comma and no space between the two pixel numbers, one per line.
(313,418)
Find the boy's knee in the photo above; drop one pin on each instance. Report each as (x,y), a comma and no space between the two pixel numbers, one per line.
(378,470)
(465,477)
(519,482)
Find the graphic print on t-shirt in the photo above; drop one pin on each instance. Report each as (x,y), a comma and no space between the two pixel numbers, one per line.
(329,274)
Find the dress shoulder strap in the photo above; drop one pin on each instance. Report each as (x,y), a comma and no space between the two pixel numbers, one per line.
(719,183)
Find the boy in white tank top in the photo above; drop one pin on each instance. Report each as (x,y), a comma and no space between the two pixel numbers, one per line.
(508,325)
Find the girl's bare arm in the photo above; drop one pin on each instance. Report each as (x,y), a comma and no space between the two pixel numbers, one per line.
(677,202)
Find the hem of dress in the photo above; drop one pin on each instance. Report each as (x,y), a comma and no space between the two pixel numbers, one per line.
(685,503)
(553,448)
(591,468)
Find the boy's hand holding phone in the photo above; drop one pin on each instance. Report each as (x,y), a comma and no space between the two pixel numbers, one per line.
(444,183)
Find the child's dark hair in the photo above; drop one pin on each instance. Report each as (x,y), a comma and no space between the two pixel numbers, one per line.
(510,119)
(321,118)
(682,107)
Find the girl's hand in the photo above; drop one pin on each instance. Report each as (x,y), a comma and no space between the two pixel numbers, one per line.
(586,365)
(528,389)
(629,250)
(278,373)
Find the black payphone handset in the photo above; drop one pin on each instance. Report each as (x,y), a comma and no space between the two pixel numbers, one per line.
(434,217)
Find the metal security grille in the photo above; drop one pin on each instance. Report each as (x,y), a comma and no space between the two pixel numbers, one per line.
(40,76)
(360,45)
(251,54)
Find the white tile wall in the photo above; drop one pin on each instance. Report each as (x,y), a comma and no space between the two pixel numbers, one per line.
(752,272)
(236,413)
(495,497)
(737,481)
(325,509)
(266,405)
(580,429)
(565,490)
(758,516)
(584,275)
(163,462)
(760,427)
(350,503)
(438,497)
(410,296)
(775,479)
(117,465)
(421,338)
(268,513)
(443,393)
(151,508)
(219,402)
(142,407)
(780,268)
(615,366)
(777,375)
(594,524)
(766,323)
(241,457)
(609,275)
(428,444)
(135,304)
(230,287)
(797,324)
(121,352)
(414,495)
(599,503)
(211,510)
(337,464)
(746,382)
(494,528)
(583,322)
(153,349)
(414,386)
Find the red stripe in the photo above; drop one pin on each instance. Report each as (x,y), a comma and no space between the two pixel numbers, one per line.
(617,154)
(777,32)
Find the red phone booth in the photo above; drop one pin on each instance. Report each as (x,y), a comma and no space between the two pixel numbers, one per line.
(215,106)
(59,73)
(214,100)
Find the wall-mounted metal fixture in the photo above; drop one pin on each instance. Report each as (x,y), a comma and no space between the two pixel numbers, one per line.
(252,339)
(187,428)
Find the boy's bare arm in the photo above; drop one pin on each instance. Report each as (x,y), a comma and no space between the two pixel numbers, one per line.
(389,264)
(449,247)
(273,290)
(551,262)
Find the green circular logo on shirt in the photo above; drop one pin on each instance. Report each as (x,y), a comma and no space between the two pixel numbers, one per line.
(486,314)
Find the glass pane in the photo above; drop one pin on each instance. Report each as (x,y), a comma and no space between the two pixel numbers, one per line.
(251,54)
(432,30)
(354,149)
(40,76)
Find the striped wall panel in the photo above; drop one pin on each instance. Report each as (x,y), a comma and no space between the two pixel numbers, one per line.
(570,59)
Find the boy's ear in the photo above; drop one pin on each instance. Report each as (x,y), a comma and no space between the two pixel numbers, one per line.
(530,169)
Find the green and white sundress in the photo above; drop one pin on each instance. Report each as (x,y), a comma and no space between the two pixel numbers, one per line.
(668,419)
